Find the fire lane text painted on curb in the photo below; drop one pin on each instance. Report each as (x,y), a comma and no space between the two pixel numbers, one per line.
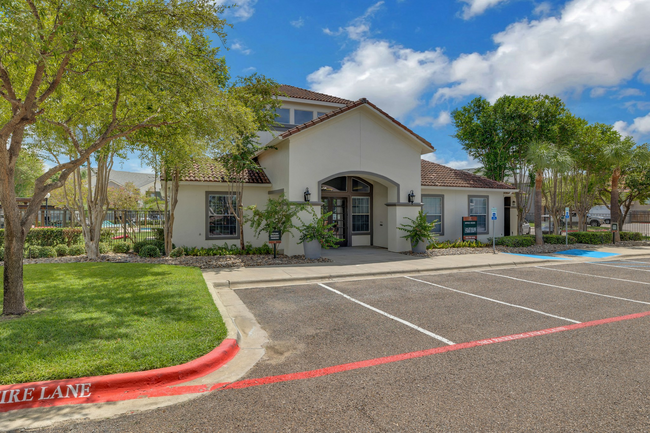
(80,390)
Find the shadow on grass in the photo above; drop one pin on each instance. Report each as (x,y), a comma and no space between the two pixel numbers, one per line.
(101,318)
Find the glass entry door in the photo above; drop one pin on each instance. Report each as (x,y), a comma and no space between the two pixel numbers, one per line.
(338,207)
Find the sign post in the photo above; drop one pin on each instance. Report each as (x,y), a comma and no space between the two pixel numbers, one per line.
(494,233)
(614,230)
(469,228)
(566,224)
(275,237)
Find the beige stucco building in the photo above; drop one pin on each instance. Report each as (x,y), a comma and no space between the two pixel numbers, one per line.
(357,162)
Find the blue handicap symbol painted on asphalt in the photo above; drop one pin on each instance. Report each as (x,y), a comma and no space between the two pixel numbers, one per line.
(587,253)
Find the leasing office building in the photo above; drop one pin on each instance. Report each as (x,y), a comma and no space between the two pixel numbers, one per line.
(357,162)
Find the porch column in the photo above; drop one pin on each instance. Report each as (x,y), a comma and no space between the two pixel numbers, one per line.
(396,217)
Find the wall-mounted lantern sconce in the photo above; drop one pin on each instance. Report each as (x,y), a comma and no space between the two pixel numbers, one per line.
(307,195)
(411,197)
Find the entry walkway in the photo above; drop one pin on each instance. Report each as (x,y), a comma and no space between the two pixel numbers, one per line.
(360,262)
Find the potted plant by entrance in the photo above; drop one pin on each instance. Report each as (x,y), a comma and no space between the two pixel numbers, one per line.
(316,235)
(419,232)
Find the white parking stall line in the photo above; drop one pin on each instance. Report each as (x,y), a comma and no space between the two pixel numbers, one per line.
(494,300)
(591,275)
(619,267)
(566,288)
(402,321)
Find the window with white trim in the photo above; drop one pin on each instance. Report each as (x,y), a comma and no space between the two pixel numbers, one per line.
(433,207)
(360,214)
(478,206)
(302,116)
(221,222)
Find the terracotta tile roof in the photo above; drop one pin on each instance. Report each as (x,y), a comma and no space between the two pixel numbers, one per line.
(210,171)
(439,175)
(297,92)
(348,107)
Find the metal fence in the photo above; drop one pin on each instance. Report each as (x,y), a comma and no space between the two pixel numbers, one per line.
(118,225)
(637,221)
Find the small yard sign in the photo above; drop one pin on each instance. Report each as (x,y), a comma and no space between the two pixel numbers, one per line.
(469,228)
(494,214)
(275,237)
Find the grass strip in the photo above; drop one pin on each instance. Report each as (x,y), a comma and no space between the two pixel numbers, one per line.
(90,319)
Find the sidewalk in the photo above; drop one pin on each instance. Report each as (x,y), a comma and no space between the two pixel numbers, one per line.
(366,262)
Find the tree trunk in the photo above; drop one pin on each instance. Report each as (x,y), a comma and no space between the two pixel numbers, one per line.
(14,293)
(615,208)
(171,200)
(539,177)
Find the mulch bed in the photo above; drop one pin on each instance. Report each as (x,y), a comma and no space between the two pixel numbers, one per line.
(203,262)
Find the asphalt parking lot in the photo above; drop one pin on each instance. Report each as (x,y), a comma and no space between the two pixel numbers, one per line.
(548,348)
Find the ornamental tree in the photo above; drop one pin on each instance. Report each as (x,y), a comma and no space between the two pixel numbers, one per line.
(92,73)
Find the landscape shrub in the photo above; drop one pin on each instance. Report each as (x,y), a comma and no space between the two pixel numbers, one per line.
(77,250)
(160,245)
(227,250)
(514,241)
(160,234)
(456,244)
(2,253)
(46,253)
(104,248)
(72,236)
(558,239)
(61,250)
(592,238)
(177,252)
(106,235)
(32,251)
(631,236)
(149,251)
(121,247)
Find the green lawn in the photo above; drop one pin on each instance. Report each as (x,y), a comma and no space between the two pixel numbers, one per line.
(100,318)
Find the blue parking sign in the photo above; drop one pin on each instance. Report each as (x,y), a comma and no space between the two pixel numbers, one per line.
(494,214)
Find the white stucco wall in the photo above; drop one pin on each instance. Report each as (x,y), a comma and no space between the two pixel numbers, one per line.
(190,215)
(456,206)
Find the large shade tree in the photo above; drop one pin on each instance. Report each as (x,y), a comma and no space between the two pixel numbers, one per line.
(108,69)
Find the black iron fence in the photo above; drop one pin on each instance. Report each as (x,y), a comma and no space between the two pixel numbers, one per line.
(118,225)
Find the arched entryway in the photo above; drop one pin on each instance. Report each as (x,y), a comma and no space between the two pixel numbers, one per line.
(350,200)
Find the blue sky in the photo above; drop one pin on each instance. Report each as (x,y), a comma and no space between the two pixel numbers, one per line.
(420,59)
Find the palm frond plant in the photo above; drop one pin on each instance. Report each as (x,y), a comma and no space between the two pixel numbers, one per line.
(419,230)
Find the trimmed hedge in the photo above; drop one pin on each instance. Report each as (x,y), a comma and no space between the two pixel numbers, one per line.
(149,251)
(52,236)
(156,243)
(77,250)
(631,236)
(593,238)
(61,250)
(121,247)
(558,239)
(226,250)
(515,241)
(47,253)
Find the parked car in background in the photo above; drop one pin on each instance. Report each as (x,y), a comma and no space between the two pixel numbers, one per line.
(592,220)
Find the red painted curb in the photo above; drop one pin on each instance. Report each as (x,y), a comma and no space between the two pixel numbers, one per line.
(114,387)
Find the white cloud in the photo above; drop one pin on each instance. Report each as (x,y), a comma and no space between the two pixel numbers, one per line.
(639,127)
(297,23)
(597,92)
(542,9)
(250,69)
(391,76)
(592,43)
(243,10)
(629,92)
(239,46)
(358,28)
(477,7)
(443,119)
(458,164)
